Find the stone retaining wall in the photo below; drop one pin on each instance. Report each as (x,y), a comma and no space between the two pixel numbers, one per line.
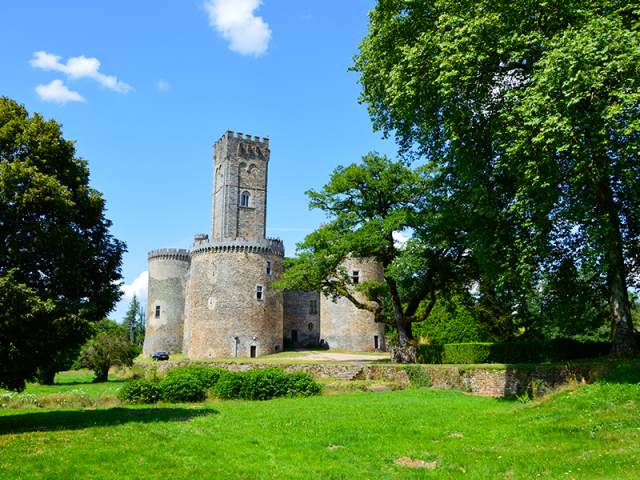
(484,381)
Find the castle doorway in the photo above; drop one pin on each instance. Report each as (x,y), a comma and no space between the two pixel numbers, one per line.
(376,343)
(253,351)
(294,335)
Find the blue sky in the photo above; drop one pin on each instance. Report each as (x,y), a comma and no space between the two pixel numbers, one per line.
(147,88)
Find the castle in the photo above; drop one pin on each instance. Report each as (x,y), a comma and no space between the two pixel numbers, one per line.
(216,300)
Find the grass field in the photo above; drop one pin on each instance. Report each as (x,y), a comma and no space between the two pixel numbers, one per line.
(584,432)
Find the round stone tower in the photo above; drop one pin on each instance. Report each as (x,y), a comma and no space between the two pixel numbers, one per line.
(168,284)
(346,327)
(233,311)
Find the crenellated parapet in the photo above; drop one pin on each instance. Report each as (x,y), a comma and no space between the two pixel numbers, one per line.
(271,246)
(169,254)
(242,145)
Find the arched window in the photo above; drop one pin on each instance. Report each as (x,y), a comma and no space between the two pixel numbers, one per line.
(244,200)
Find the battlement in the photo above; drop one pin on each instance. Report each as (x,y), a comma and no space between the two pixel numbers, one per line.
(272,246)
(229,134)
(169,254)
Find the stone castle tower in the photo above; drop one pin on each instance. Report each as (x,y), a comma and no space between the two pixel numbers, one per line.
(216,299)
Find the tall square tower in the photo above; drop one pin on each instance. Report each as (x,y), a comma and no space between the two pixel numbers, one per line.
(239,205)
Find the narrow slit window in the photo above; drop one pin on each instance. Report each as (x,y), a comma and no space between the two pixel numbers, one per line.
(259,292)
(356,277)
(310,306)
(268,268)
(310,326)
(157,311)
(315,306)
(244,201)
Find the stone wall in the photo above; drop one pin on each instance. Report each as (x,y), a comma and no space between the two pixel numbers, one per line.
(346,327)
(226,316)
(168,271)
(302,315)
(486,381)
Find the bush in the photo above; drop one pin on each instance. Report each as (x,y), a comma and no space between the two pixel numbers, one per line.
(265,384)
(179,388)
(301,384)
(206,376)
(418,376)
(139,391)
(288,344)
(228,385)
(557,350)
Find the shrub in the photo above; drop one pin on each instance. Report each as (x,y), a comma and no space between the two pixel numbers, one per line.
(301,384)
(139,390)
(557,350)
(263,384)
(288,344)
(228,385)
(206,376)
(418,376)
(182,388)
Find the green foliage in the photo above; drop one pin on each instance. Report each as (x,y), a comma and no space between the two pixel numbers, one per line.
(181,388)
(263,384)
(105,350)
(450,321)
(418,376)
(134,322)
(368,202)
(59,266)
(202,374)
(528,112)
(511,352)
(289,344)
(139,391)
(229,386)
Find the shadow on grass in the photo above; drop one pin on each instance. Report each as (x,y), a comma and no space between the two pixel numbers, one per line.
(25,421)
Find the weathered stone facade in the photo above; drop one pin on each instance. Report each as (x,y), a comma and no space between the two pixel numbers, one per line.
(346,327)
(216,299)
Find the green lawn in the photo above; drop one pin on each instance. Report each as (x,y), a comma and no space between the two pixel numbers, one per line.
(588,432)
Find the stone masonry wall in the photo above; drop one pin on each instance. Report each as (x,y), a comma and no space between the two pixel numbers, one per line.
(302,314)
(344,326)
(239,166)
(225,314)
(168,271)
(489,382)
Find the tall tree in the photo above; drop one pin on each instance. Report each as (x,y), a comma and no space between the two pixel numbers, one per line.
(132,321)
(530,109)
(367,204)
(59,266)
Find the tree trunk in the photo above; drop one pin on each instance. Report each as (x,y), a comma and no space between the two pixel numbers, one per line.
(622,338)
(402,326)
(102,374)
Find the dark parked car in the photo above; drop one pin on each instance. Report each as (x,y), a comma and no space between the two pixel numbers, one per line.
(160,356)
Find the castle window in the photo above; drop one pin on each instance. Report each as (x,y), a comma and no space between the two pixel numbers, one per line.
(259,292)
(355,276)
(313,306)
(310,306)
(244,201)
(310,326)
(157,311)
(268,268)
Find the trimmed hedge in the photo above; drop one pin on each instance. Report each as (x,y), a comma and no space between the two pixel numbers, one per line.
(559,350)
(181,388)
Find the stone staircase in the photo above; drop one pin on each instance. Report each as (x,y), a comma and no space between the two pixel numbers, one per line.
(350,373)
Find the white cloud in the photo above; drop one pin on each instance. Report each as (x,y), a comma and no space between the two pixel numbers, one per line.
(235,21)
(78,67)
(163,85)
(138,287)
(57,92)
